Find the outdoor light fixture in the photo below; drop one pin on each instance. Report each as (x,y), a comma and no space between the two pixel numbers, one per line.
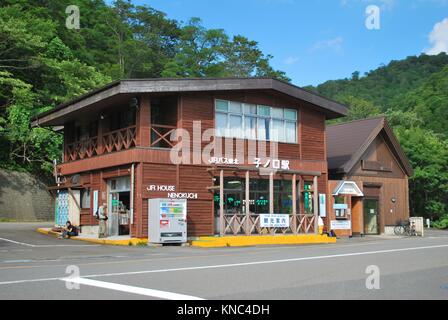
(134,103)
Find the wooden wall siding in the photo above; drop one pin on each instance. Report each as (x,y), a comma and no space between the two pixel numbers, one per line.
(389,212)
(391,188)
(379,152)
(357,216)
(200,212)
(97,181)
(191,179)
(201,106)
(85,217)
(312,135)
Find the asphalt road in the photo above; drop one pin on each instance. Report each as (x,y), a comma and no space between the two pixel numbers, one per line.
(34,266)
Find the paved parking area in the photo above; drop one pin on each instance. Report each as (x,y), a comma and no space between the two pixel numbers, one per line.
(34,266)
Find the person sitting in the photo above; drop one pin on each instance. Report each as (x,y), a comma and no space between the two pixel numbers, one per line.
(69,231)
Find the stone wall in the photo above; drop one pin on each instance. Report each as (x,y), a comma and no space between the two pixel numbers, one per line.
(24,198)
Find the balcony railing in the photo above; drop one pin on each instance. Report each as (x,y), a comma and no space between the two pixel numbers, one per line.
(236,224)
(81,149)
(117,140)
(160,136)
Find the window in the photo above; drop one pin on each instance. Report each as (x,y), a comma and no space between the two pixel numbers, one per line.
(85,199)
(235,196)
(256,122)
(250,126)
(235,126)
(340,205)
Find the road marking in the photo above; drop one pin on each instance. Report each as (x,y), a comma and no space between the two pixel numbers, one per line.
(16,242)
(16,261)
(48,245)
(233,265)
(131,289)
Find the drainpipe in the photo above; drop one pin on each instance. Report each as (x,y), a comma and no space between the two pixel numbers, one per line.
(132,194)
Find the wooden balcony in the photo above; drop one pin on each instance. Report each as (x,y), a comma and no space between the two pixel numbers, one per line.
(81,149)
(113,141)
(118,140)
(160,136)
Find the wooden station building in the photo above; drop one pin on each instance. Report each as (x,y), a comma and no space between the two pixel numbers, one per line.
(118,148)
(267,155)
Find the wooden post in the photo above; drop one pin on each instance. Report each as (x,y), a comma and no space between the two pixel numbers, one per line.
(271,193)
(144,122)
(271,197)
(316,206)
(100,133)
(294,204)
(248,204)
(221,203)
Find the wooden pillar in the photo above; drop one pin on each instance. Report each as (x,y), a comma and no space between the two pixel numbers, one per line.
(221,203)
(100,143)
(144,123)
(316,206)
(139,214)
(248,226)
(271,193)
(294,204)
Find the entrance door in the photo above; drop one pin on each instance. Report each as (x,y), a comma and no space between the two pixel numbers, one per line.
(371,216)
(119,206)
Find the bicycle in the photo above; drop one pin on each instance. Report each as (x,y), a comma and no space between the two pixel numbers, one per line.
(405,229)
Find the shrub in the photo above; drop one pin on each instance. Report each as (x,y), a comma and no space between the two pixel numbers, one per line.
(442,223)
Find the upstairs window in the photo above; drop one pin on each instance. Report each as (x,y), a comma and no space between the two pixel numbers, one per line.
(255,122)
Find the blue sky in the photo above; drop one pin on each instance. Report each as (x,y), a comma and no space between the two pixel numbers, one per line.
(319,40)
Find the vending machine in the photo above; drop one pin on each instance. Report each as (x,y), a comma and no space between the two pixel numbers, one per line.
(167,221)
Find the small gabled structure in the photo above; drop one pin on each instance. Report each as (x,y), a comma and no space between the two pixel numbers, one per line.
(366,153)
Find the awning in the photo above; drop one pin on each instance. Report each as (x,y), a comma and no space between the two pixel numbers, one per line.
(348,188)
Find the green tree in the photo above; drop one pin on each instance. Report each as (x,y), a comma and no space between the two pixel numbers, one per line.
(358,109)
(428,155)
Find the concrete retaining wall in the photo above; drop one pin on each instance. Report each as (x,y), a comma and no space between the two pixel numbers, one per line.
(24,198)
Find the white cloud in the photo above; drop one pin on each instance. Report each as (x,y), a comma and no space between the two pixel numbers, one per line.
(332,44)
(439,38)
(291,60)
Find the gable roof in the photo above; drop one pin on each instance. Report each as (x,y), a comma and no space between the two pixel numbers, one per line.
(134,87)
(347,142)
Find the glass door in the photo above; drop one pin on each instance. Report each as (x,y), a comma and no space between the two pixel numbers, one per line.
(371,216)
(119,206)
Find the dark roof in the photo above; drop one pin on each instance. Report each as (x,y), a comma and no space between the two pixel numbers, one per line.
(331,108)
(347,142)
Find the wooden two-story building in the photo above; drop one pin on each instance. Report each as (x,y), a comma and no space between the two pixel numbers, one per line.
(234,148)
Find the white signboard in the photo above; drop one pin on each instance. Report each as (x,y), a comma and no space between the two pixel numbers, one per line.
(341,225)
(322,205)
(95,202)
(274,221)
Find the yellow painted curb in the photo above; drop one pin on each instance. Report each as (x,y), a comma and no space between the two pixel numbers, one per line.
(124,242)
(244,241)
